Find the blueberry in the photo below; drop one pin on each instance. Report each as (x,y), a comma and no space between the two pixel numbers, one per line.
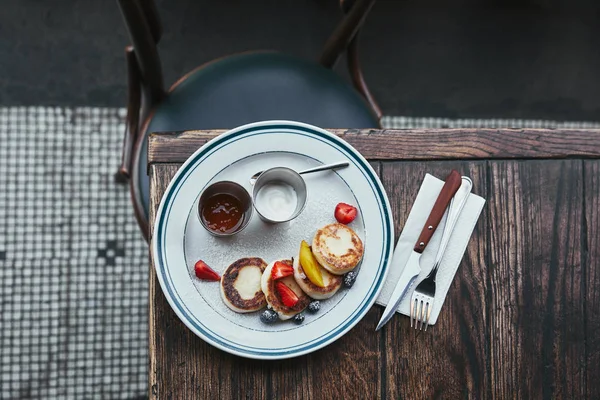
(349,279)
(299,318)
(268,316)
(314,306)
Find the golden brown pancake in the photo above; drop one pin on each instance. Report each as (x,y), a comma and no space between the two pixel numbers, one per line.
(240,285)
(337,248)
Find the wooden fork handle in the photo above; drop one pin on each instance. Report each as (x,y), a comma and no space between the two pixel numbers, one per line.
(451,185)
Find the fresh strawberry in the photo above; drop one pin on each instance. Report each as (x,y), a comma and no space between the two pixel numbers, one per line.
(345,213)
(205,272)
(287,295)
(281,270)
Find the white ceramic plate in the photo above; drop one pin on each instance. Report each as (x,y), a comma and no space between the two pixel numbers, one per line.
(179,240)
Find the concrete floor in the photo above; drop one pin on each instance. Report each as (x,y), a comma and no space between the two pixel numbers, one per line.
(473,59)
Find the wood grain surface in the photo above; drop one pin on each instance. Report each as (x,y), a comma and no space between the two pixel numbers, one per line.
(438,363)
(535,302)
(521,320)
(591,279)
(419,144)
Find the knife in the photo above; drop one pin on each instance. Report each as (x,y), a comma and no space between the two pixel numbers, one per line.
(413,268)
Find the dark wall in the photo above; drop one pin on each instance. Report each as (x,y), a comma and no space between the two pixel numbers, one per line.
(510,59)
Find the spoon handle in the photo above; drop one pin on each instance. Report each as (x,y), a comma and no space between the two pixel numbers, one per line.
(325,167)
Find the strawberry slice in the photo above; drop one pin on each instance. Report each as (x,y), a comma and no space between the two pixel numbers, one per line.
(287,295)
(281,270)
(345,213)
(205,272)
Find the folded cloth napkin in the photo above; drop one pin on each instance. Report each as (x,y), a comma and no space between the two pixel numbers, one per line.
(430,188)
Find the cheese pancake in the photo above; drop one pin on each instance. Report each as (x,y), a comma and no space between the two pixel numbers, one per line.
(337,248)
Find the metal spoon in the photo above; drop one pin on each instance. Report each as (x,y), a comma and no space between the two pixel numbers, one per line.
(325,167)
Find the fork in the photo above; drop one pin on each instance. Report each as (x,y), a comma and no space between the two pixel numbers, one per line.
(421,302)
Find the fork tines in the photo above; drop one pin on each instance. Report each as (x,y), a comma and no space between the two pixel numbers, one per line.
(420,311)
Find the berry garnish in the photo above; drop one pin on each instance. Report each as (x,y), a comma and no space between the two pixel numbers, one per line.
(268,316)
(205,272)
(287,295)
(299,318)
(345,213)
(281,270)
(349,279)
(314,306)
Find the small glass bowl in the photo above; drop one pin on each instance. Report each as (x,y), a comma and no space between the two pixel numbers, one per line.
(233,189)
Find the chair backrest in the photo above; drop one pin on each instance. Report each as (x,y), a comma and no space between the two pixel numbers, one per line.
(356,12)
(145,30)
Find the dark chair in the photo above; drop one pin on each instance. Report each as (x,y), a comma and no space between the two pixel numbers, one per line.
(235,90)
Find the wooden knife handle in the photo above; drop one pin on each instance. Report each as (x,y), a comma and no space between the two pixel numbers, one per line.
(453,182)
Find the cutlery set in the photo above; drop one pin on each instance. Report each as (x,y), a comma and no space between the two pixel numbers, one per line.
(453,197)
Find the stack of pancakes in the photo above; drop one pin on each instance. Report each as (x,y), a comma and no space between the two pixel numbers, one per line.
(247,284)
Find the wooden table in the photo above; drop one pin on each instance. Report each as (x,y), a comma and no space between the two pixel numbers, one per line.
(522,317)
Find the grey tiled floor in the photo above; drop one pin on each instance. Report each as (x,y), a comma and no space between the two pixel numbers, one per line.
(73,265)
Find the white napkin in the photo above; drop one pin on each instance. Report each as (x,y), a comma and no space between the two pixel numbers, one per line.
(430,188)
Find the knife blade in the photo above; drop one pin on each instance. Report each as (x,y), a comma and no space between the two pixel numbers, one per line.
(413,268)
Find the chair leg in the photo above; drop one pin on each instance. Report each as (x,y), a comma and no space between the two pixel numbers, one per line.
(133,115)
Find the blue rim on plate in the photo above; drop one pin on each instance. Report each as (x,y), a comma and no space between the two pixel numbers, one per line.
(159,237)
